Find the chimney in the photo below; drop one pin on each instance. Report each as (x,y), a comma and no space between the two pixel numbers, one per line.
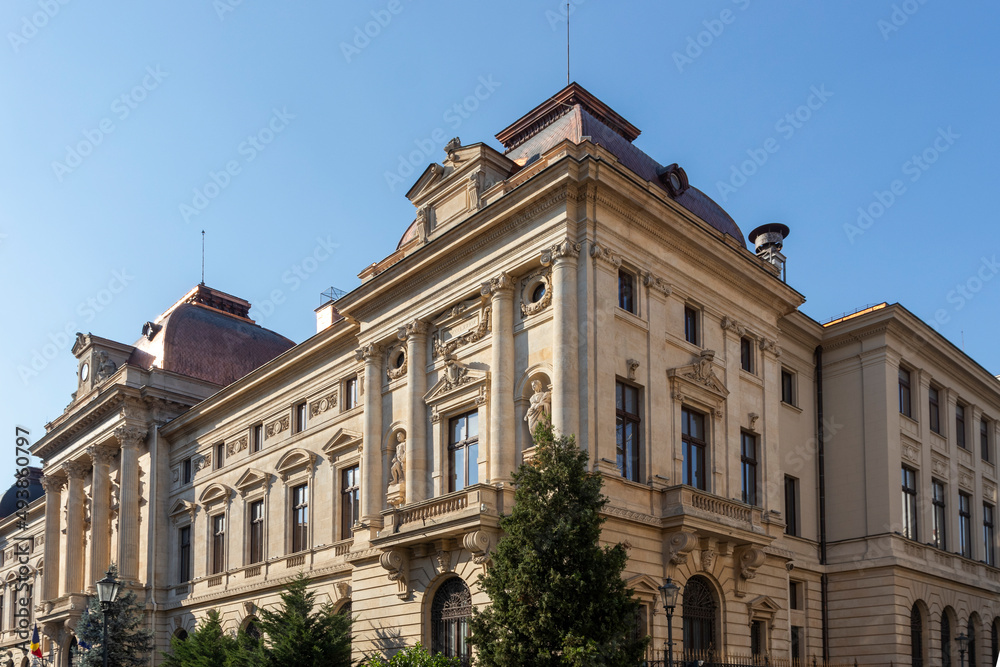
(767,240)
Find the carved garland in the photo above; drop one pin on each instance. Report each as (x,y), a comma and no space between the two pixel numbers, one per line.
(277,426)
(528,285)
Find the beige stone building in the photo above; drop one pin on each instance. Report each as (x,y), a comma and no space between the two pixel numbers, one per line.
(767,463)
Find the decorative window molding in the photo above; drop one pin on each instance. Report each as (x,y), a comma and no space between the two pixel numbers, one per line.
(459,386)
(252,480)
(464,323)
(531,301)
(182,512)
(762,608)
(342,440)
(697,384)
(396,362)
(294,464)
(215,493)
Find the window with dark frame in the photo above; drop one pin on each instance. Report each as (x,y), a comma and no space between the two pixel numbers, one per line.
(256,531)
(463,451)
(791,506)
(798,645)
(300,518)
(220,455)
(989,536)
(909,503)
(905,407)
(451,610)
(184,553)
(939,536)
(350,393)
(795,600)
(627,430)
(300,417)
(256,438)
(218,543)
(916,637)
(691,333)
(626,291)
(746,354)
(787,387)
(186,471)
(945,640)
(694,445)
(934,410)
(965,524)
(984,440)
(349,501)
(960,426)
(748,467)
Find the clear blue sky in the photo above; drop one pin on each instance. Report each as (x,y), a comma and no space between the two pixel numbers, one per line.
(153,97)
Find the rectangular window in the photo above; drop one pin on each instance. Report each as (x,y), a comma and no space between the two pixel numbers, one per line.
(940,536)
(798,645)
(694,444)
(758,638)
(350,393)
(904,393)
(691,333)
(218,543)
(748,467)
(795,595)
(184,553)
(626,291)
(984,439)
(256,530)
(256,438)
(1,612)
(934,410)
(965,524)
(627,412)
(349,501)
(300,417)
(463,450)
(960,426)
(186,471)
(909,503)
(791,506)
(787,387)
(300,518)
(746,355)
(220,455)
(989,537)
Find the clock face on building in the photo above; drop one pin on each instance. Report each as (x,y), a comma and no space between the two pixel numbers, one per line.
(675,181)
(84,372)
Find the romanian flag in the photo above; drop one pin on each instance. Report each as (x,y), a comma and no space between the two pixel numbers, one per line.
(36,643)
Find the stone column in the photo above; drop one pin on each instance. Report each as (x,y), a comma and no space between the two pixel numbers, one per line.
(565,399)
(502,428)
(53,512)
(100,512)
(417,472)
(372,491)
(130,438)
(72,570)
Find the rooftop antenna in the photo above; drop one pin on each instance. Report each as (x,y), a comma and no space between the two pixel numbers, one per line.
(203,257)
(567,43)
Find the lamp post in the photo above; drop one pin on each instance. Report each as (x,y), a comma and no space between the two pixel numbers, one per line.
(963,645)
(107,592)
(668,593)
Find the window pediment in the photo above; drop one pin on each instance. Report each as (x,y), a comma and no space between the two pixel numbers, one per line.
(762,608)
(458,385)
(252,479)
(294,461)
(215,493)
(698,382)
(343,439)
(182,509)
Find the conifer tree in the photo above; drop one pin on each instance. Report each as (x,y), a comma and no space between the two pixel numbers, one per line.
(129,640)
(207,646)
(556,596)
(295,634)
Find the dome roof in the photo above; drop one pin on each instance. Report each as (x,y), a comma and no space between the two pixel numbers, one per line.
(8,502)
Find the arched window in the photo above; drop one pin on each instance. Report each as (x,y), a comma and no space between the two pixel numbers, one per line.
(345,608)
(700,612)
(916,637)
(971,633)
(74,653)
(251,630)
(945,640)
(181,634)
(450,613)
(995,640)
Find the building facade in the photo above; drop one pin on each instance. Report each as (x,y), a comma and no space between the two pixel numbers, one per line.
(753,455)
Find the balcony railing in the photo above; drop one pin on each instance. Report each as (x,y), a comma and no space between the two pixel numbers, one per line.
(688,501)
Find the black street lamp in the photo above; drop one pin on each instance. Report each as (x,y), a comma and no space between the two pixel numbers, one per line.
(668,592)
(107,592)
(963,645)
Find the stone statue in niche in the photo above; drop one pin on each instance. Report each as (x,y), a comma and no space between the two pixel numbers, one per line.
(105,367)
(540,405)
(396,491)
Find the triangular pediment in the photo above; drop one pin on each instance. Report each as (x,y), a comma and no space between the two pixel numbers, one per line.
(181,507)
(251,478)
(341,439)
(701,374)
(457,379)
(432,174)
(763,604)
(643,584)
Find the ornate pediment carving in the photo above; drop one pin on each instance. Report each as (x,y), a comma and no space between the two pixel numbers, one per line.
(697,382)
(293,461)
(251,479)
(456,383)
(462,324)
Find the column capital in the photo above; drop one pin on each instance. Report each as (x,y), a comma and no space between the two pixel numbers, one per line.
(130,435)
(563,250)
(503,284)
(76,469)
(657,284)
(369,353)
(52,485)
(414,328)
(101,453)
(605,254)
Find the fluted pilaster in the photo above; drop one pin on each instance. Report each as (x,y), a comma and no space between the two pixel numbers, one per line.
(72,571)
(53,500)
(130,437)
(417,453)
(100,512)
(565,399)
(502,429)
(372,491)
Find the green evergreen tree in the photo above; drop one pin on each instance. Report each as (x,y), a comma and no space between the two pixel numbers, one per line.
(413,656)
(557,596)
(295,634)
(129,640)
(207,646)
